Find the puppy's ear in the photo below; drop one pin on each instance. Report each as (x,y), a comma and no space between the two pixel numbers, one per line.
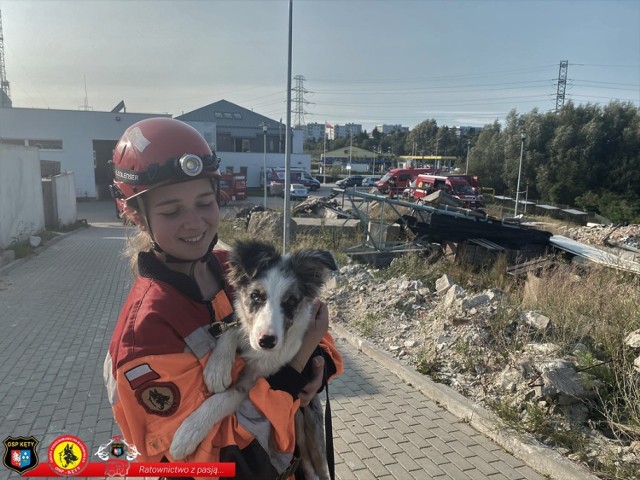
(249,258)
(316,259)
(311,266)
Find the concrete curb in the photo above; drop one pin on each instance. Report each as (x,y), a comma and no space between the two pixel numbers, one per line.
(542,459)
(16,263)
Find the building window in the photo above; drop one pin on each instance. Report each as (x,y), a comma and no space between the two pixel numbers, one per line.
(237,116)
(229,170)
(227,115)
(30,142)
(14,141)
(217,114)
(46,144)
(246,146)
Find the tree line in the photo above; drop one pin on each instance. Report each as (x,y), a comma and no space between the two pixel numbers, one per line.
(585,156)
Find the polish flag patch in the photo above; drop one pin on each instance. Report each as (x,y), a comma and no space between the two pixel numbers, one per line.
(140,375)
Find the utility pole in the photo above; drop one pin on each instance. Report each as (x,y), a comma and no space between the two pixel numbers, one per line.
(468,145)
(286,236)
(374,161)
(264,162)
(324,154)
(522,137)
(350,148)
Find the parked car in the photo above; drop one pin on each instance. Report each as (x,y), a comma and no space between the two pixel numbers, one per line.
(370,181)
(351,181)
(297,191)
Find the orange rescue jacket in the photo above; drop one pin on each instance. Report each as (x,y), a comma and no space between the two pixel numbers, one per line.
(154,376)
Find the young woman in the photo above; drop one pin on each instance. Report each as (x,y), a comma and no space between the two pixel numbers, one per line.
(166,179)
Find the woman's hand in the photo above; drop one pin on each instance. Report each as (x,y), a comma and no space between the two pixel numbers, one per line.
(317,329)
(317,371)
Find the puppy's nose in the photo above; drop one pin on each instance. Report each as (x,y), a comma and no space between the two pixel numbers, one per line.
(267,342)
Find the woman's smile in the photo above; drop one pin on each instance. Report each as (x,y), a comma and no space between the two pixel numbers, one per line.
(195,239)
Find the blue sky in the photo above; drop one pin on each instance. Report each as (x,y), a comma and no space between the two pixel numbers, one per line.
(461,62)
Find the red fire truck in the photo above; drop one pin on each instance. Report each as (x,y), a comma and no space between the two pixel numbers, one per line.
(233,186)
(463,187)
(397,179)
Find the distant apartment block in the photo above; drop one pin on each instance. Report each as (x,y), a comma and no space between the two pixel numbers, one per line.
(346,130)
(460,130)
(317,131)
(385,129)
(314,131)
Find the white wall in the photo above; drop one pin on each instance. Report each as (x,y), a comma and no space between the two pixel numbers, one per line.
(77,129)
(65,198)
(21,207)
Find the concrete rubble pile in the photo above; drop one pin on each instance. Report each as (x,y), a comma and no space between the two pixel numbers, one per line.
(459,338)
(606,235)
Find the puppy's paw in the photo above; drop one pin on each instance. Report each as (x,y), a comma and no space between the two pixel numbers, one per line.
(186,440)
(217,377)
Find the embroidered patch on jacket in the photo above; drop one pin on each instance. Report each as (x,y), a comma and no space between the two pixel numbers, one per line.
(140,375)
(159,398)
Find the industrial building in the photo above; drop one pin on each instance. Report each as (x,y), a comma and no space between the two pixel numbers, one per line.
(82,142)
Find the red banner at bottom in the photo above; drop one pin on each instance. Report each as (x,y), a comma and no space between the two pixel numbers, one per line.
(120,468)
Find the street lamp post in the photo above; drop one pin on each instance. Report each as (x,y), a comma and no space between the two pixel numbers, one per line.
(264,163)
(350,149)
(522,137)
(468,145)
(324,155)
(374,161)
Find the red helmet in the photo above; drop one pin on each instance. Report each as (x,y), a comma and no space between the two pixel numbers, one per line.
(160,151)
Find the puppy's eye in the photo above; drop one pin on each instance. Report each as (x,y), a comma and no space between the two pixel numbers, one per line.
(256,296)
(291,301)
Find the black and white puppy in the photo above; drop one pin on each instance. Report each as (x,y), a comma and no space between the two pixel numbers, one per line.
(273,297)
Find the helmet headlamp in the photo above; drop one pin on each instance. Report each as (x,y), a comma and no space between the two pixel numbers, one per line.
(187,166)
(191,165)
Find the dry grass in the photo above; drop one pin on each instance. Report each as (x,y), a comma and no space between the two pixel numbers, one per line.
(597,308)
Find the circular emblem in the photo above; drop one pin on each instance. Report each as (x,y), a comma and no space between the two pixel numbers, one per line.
(159,398)
(68,455)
